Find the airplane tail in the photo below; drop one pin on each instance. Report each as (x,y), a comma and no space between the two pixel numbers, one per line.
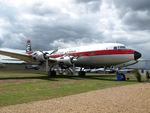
(28,47)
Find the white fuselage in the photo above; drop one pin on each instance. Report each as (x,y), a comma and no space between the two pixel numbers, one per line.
(105,54)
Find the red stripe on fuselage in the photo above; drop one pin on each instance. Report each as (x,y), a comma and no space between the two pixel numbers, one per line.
(29,52)
(96,53)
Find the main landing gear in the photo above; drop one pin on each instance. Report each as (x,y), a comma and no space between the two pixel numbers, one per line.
(51,73)
(81,73)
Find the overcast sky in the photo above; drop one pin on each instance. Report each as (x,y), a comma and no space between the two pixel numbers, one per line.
(65,23)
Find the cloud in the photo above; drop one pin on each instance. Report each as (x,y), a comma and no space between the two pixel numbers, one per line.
(90,5)
(141,5)
(135,13)
(141,20)
(50,24)
(6,13)
(43,23)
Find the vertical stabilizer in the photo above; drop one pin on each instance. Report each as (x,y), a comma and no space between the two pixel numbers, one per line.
(28,47)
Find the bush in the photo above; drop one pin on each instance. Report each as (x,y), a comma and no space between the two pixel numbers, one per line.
(137,75)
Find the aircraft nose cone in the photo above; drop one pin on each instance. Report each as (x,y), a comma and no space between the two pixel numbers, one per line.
(137,55)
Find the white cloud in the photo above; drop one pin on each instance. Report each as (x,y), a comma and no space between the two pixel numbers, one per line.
(65,23)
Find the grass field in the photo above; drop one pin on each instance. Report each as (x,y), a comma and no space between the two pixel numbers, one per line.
(21,86)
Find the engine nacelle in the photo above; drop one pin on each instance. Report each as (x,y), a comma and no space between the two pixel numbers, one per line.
(67,60)
(38,56)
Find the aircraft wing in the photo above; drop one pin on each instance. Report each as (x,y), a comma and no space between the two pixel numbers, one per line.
(21,56)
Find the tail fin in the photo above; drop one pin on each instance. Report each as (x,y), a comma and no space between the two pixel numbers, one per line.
(28,47)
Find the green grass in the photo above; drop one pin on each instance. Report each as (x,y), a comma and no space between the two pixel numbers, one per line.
(21,86)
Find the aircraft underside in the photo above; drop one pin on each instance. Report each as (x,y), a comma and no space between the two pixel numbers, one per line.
(103,60)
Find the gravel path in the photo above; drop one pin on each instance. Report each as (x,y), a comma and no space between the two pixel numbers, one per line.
(124,99)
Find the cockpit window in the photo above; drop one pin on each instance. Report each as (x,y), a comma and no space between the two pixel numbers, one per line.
(119,47)
(122,47)
(115,48)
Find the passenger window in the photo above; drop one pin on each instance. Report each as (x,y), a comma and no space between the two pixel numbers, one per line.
(67,54)
(92,53)
(75,54)
(80,54)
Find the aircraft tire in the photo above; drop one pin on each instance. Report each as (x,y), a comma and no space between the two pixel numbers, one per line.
(52,73)
(81,73)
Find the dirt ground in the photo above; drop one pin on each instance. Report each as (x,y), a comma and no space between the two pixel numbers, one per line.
(123,99)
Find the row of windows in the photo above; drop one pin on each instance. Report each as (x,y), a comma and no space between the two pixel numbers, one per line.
(72,54)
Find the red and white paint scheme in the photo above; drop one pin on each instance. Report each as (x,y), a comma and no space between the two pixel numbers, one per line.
(28,47)
(91,56)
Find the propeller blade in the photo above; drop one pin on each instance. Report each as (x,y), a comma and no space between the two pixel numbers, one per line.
(53,51)
(37,48)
